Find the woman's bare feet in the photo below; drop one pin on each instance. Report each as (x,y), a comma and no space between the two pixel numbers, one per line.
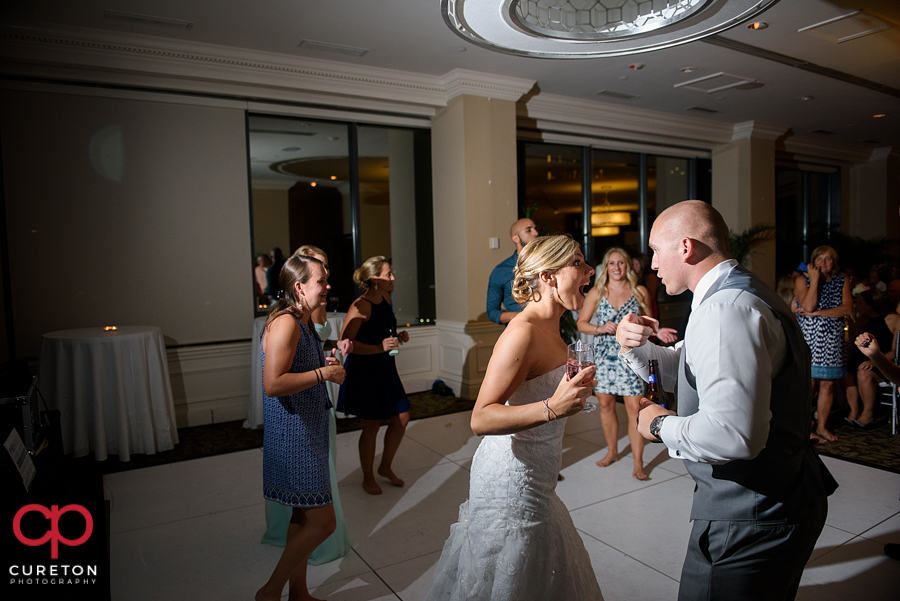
(390,475)
(823,433)
(608,460)
(639,473)
(371,487)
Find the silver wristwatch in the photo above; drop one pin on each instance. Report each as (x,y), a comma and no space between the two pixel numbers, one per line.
(655,425)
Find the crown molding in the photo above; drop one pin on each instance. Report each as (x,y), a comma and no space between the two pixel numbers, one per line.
(598,119)
(474,83)
(195,66)
(815,150)
(757,131)
(882,154)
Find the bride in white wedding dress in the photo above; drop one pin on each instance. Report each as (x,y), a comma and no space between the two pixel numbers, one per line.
(515,539)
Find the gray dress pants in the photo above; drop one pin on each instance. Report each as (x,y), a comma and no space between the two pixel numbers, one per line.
(749,560)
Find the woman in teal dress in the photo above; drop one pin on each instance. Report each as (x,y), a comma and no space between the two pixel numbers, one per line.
(615,294)
(277,515)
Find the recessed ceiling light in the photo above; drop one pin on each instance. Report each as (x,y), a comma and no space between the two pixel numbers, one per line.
(688,70)
(758,25)
(880,115)
(312,184)
(636,66)
(333,177)
(807,98)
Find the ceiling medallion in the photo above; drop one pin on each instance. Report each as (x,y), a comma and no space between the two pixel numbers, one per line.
(592,28)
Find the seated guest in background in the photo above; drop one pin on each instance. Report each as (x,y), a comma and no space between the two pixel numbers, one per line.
(868,345)
(875,282)
(881,325)
(501,307)
(893,294)
(785,288)
(875,315)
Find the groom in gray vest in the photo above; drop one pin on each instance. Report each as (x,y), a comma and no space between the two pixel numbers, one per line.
(742,380)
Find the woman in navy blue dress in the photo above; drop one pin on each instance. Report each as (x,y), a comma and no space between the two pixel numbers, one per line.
(296,409)
(373,390)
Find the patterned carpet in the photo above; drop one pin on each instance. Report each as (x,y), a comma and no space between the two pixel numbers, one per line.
(875,447)
(228,437)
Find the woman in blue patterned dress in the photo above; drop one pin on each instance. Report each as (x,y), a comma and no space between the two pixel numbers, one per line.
(278,516)
(823,299)
(296,408)
(615,294)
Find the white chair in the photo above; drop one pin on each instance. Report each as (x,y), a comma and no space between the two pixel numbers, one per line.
(889,389)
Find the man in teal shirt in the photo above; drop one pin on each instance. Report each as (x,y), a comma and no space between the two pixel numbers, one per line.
(501,307)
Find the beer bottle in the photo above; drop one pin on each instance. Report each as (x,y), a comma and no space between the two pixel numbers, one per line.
(655,394)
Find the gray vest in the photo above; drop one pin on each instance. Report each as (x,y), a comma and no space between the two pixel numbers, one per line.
(787,476)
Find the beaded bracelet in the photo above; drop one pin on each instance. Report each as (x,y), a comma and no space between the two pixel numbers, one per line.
(548,412)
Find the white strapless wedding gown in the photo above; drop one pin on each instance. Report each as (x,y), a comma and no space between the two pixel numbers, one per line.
(515,539)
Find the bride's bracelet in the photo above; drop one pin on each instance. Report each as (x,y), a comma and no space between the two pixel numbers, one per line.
(549,414)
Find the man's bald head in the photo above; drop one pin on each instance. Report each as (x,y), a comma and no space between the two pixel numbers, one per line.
(699,221)
(522,232)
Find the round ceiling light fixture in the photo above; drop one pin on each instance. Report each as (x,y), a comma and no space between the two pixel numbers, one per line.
(592,28)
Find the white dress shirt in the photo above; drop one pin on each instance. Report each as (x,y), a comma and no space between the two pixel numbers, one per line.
(735,346)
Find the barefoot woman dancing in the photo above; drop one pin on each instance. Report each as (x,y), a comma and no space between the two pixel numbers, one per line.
(296,405)
(615,294)
(373,390)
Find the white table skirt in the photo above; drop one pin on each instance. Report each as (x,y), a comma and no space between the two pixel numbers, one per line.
(255,410)
(112,389)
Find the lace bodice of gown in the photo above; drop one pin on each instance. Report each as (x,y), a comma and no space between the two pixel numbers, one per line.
(539,449)
(515,540)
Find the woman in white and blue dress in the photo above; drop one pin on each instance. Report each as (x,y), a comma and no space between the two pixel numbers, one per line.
(515,540)
(615,294)
(823,299)
(296,410)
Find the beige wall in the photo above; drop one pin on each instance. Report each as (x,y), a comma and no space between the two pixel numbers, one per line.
(271,225)
(743,191)
(474,171)
(127,212)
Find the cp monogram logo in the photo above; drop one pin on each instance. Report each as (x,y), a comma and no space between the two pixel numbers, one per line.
(53,514)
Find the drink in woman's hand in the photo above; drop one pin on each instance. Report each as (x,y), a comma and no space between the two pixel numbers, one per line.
(580,356)
(573,367)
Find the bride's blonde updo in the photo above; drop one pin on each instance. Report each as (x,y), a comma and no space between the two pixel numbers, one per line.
(547,254)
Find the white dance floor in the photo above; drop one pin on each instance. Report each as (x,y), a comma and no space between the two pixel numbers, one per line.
(191,530)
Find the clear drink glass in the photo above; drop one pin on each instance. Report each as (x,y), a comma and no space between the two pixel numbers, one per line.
(580,356)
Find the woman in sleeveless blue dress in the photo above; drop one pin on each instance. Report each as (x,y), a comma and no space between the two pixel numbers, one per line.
(373,390)
(278,516)
(823,299)
(296,408)
(615,294)
(515,540)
